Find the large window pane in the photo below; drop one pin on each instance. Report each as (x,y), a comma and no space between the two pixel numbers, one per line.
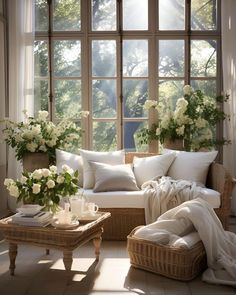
(104,136)
(66,15)
(203,58)
(41,15)
(104,58)
(135,95)
(174,20)
(172,90)
(135,15)
(67,58)
(40,58)
(203,14)
(171,58)
(40,95)
(135,58)
(67,98)
(131,141)
(103,15)
(104,98)
(208,87)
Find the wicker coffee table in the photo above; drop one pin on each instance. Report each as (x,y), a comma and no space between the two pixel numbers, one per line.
(51,238)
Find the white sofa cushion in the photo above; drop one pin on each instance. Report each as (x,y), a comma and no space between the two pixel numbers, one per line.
(112,158)
(149,168)
(191,166)
(72,160)
(136,199)
(113,177)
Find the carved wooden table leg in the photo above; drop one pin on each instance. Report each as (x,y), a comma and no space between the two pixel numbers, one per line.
(67,259)
(97,243)
(12,256)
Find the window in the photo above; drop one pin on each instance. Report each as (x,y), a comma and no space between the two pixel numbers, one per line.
(110,56)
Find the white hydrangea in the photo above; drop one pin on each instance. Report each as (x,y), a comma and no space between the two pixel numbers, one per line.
(42,115)
(32,146)
(187,90)
(36,129)
(149,104)
(180,130)
(200,123)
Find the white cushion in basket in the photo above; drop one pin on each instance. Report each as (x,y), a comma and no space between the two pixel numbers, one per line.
(72,160)
(113,177)
(191,166)
(112,158)
(151,167)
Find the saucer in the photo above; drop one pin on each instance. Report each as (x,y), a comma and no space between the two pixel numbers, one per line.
(29,210)
(58,225)
(89,217)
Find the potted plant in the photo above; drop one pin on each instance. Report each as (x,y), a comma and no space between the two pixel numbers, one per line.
(191,123)
(44,187)
(39,136)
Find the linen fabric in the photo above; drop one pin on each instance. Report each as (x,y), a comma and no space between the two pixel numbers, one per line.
(72,160)
(113,177)
(192,166)
(112,158)
(149,168)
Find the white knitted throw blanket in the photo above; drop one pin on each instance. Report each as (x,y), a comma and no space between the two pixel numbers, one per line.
(166,193)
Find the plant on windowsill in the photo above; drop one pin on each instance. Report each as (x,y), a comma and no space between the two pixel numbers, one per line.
(44,187)
(39,135)
(193,121)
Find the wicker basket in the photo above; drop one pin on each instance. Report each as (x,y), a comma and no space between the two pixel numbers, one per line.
(175,263)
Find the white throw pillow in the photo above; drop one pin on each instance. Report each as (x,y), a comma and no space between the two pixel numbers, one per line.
(112,158)
(113,177)
(151,167)
(191,166)
(72,160)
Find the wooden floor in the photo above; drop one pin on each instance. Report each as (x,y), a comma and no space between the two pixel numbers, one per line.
(39,274)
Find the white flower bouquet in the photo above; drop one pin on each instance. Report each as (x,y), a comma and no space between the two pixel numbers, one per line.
(40,135)
(193,120)
(44,187)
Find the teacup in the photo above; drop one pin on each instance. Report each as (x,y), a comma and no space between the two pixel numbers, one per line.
(65,217)
(92,208)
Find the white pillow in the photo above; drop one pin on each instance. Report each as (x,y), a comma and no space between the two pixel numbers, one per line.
(72,160)
(113,177)
(191,166)
(112,158)
(151,167)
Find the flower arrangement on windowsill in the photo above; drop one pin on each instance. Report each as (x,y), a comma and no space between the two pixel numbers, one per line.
(40,135)
(44,187)
(193,121)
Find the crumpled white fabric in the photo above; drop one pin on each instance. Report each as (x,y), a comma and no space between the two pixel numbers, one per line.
(220,245)
(165,193)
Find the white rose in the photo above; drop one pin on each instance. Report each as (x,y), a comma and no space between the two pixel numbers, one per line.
(23,179)
(46,172)
(187,90)
(8,181)
(66,168)
(36,188)
(43,148)
(50,183)
(60,179)
(42,115)
(14,191)
(28,134)
(36,129)
(37,174)
(53,168)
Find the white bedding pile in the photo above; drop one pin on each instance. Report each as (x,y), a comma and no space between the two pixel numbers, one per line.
(220,245)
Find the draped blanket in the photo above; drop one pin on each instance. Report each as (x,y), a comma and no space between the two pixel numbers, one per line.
(220,245)
(166,193)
